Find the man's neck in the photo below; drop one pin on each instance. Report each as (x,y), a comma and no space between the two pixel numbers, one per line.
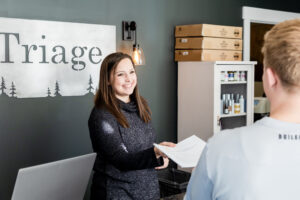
(286,108)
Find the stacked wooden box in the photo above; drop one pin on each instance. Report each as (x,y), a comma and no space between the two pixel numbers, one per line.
(206,42)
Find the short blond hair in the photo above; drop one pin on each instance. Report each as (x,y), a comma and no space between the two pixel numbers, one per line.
(281,52)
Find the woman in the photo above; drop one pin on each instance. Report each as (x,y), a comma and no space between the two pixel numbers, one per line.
(122,135)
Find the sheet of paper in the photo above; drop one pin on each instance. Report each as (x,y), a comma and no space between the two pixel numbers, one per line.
(186,153)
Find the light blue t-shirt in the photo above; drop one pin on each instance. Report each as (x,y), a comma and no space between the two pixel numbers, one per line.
(258,162)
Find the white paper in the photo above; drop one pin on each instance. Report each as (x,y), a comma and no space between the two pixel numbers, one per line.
(186,153)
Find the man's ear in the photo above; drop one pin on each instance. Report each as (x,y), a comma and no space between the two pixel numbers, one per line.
(272,77)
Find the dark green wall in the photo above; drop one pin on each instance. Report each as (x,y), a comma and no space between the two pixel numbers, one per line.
(35,131)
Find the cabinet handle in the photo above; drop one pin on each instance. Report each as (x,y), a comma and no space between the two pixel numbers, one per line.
(237,44)
(236,33)
(236,56)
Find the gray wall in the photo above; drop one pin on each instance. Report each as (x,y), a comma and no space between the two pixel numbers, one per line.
(35,131)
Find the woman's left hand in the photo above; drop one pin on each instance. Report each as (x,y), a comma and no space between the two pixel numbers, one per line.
(166,163)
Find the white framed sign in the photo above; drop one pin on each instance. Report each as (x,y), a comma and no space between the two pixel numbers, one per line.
(47,58)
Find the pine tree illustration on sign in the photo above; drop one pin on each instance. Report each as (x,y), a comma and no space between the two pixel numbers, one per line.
(48,92)
(13,90)
(2,86)
(90,88)
(57,94)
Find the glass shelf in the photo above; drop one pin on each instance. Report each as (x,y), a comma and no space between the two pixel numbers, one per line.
(234,82)
(233,115)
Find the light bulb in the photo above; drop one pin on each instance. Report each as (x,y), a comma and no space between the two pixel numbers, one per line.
(138,55)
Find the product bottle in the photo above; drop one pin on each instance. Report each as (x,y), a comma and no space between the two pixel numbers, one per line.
(243,76)
(226,77)
(236,76)
(222,76)
(231,76)
(232,102)
(242,104)
(223,103)
(230,107)
(226,107)
(237,107)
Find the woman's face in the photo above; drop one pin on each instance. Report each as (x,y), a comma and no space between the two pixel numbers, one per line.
(123,80)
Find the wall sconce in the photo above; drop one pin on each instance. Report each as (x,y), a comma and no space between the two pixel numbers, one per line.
(129,34)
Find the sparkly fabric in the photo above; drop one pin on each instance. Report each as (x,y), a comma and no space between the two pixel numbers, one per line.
(124,167)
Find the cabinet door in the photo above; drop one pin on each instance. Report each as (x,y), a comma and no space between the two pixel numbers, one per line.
(233,96)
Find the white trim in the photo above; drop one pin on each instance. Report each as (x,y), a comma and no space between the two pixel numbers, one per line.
(228,62)
(267,16)
(246,40)
(259,15)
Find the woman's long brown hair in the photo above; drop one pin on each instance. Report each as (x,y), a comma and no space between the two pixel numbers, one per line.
(105,97)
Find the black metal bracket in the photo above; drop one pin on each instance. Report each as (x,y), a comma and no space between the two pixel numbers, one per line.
(128,30)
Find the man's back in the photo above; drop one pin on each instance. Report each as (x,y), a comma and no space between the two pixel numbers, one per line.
(261,161)
(258,162)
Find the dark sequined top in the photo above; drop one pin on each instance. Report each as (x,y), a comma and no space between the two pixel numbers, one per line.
(124,167)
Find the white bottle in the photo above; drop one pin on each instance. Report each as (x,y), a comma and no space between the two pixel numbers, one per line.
(232,102)
(242,104)
(223,101)
(236,76)
(243,76)
(229,106)
(222,76)
(226,77)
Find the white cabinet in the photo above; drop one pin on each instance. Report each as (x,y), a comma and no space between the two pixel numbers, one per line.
(201,86)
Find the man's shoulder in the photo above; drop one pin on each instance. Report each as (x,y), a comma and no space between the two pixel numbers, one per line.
(226,136)
(232,135)
(231,140)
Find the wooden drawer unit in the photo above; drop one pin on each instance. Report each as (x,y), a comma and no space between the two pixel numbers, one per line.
(208,43)
(209,30)
(207,55)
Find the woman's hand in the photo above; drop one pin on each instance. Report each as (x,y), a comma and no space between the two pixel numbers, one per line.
(158,153)
(166,163)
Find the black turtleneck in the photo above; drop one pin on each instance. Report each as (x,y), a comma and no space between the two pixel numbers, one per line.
(129,107)
(124,168)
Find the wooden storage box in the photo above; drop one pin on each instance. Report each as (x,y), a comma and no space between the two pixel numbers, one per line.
(209,30)
(208,43)
(208,55)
